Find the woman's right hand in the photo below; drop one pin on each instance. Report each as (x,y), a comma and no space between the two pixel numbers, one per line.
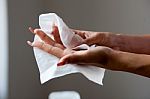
(99,38)
(90,38)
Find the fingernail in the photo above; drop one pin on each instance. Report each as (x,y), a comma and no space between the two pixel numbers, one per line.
(60,63)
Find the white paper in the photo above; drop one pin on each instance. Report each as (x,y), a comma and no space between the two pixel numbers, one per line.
(47,63)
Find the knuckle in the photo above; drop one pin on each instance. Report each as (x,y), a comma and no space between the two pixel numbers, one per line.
(42,46)
(36,30)
(50,49)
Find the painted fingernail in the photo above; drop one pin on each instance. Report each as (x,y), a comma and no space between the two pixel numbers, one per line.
(60,63)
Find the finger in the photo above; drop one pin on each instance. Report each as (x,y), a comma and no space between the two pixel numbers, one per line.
(80,33)
(29,43)
(42,35)
(77,58)
(87,40)
(47,39)
(98,38)
(94,38)
(56,35)
(116,48)
(90,41)
(47,48)
(31,30)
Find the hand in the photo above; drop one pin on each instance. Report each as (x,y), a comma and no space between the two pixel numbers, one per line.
(90,38)
(49,45)
(97,56)
(99,38)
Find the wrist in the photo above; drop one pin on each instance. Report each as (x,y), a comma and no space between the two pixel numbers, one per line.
(113,58)
(122,61)
(114,40)
(108,39)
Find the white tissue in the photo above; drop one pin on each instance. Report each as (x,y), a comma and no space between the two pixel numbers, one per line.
(47,63)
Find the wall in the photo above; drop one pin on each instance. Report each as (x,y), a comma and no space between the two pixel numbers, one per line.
(127,16)
(23,72)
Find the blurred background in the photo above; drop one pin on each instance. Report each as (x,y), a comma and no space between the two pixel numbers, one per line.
(19,76)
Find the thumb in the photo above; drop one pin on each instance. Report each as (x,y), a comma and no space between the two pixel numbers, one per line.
(74,58)
(97,38)
(90,41)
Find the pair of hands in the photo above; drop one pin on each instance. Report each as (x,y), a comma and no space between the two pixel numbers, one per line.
(105,55)
(98,56)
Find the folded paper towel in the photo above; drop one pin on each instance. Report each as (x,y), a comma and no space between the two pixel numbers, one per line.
(47,63)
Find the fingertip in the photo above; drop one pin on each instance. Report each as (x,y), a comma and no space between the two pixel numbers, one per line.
(29,43)
(60,63)
(31,29)
(55,28)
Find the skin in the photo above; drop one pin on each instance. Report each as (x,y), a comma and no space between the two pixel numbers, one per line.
(129,43)
(110,52)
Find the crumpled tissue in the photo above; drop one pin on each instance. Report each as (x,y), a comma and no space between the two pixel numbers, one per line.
(47,63)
